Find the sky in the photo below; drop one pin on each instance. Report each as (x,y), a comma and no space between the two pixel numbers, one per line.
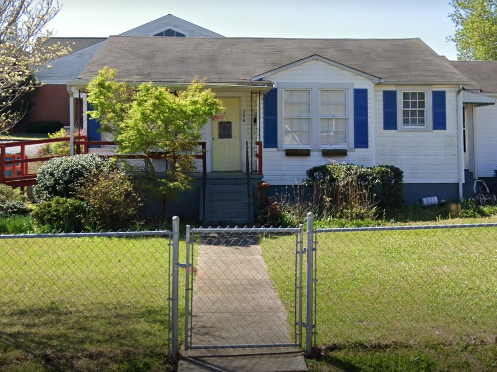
(425,19)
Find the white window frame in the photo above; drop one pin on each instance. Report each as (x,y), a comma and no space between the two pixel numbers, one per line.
(315,126)
(345,116)
(285,116)
(428,108)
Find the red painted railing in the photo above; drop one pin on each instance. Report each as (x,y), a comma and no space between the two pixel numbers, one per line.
(258,155)
(14,166)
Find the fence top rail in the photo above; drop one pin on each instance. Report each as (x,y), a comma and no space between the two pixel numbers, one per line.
(118,234)
(246,229)
(413,227)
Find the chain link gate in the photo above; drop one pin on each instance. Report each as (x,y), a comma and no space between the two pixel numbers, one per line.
(231,292)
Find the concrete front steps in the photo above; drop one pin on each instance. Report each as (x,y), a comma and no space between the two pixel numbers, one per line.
(228,199)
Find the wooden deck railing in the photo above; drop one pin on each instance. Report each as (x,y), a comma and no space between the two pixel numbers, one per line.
(14,164)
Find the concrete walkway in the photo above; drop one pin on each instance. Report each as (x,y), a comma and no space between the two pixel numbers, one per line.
(236,312)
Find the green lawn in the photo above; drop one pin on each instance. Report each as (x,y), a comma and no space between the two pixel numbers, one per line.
(86,304)
(422,300)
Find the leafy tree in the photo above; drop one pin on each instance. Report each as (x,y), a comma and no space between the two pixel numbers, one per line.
(155,122)
(23,51)
(476,29)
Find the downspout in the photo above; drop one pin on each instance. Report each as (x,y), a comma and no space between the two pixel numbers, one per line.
(460,145)
(71,120)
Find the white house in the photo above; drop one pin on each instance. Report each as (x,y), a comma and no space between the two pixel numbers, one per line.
(311,101)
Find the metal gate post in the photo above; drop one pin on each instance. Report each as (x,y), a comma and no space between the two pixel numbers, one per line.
(187,286)
(300,253)
(175,325)
(310,283)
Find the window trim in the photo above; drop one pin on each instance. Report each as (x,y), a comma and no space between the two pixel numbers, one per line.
(346,117)
(284,117)
(315,126)
(428,108)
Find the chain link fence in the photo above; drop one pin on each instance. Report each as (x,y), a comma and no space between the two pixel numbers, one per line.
(236,275)
(77,293)
(416,285)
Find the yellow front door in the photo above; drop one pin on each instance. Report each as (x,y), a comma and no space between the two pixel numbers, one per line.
(226,138)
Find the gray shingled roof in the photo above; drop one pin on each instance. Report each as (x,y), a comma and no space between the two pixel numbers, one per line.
(483,74)
(76,43)
(237,60)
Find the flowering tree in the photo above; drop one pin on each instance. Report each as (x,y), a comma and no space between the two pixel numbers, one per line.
(152,121)
(22,52)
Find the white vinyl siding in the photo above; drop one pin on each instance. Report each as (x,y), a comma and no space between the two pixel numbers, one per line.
(297,117)
(425,156)
(333,118)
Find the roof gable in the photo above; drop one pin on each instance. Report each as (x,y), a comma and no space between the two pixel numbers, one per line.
(316,57)
(170,22)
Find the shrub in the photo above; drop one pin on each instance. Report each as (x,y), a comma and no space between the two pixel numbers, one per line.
(62,176)
(112,201)
(12,202)
(348,182)
(44,126)
(60,215)
(389,189)
(56,148)
(16,225)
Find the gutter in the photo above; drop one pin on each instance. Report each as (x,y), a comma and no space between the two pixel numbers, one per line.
(82,84)
(460,144)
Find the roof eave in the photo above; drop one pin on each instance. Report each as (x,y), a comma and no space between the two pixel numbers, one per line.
(261,85)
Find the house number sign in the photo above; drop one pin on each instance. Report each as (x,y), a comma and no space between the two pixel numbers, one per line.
(225,129)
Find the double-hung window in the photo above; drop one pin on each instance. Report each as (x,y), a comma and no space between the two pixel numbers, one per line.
(315,116)
(333,117)
(297,117)
(414,109)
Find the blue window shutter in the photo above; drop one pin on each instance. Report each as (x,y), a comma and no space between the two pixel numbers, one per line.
(390,110)
(271,119)
(439,111)
(93,127)
(361,118)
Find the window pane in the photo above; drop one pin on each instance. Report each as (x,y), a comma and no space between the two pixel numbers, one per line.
(333,103)
(296,132)
(333,132)
(405,96)
(421,96)
(297,103)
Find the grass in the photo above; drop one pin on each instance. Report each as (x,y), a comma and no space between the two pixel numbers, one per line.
(420,300)
(85,304)
(22,137)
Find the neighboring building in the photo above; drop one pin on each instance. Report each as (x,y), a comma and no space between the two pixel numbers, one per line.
(480,119)
(52,100)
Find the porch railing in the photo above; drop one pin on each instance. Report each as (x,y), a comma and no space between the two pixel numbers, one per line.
(14,164)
